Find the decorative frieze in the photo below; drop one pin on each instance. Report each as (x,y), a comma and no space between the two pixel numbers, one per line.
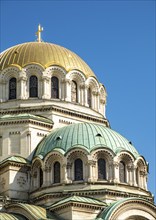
(65,122)
(41,134)
(14,132)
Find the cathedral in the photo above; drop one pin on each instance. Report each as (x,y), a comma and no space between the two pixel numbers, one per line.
(59,157)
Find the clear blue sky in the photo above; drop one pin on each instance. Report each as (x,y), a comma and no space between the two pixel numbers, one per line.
(117,40)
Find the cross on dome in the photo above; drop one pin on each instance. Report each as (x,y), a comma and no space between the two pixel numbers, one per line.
(38,33)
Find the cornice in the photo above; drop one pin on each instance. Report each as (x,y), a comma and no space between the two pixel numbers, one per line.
(57,109)
(26,121)
(90,193)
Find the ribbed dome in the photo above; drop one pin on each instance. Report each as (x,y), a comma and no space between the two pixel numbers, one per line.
(88,136)
(45,54)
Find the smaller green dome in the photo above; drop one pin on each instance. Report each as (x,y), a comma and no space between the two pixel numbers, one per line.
(88,136)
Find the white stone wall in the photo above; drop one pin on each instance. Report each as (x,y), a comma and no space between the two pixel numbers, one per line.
(20,139)
(14,182)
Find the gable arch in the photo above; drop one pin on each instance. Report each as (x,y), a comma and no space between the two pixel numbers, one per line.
(37,162)
(76,76)
(57,71)
(92,83)
(125,156)
(52,157)
(102,93)
(10,72)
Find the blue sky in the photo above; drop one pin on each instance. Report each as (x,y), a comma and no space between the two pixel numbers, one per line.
(117,40)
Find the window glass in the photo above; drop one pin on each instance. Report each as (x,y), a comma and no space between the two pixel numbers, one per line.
(54,87)
(122,172)
(12,88)
(41,178)
(89,97)
(78,165)
(101,169)
(33,86)
(56,172)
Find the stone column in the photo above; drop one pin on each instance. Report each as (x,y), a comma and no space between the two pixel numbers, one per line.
(35,180)
(110,172)
(62,90)
(64,174)
(67,90)
(69,172)
(134,176)
(130,175)
(86,95)
(46,176)
(90,165)
(143,176)
(3,94)
(82,94)
(145,180)
(21,85)
(98,101)
(94,100)
(45,86)
(116,172)
(102,107)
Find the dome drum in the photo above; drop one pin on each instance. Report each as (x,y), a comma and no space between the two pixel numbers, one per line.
(85,157)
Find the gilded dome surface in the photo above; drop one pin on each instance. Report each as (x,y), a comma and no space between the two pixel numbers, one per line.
(45,54)
(88,136)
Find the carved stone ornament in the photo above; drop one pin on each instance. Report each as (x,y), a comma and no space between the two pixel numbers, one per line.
(2,183)
(21,181)
(116,165)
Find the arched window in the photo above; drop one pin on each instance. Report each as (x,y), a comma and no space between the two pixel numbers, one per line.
(101,169)
(74,97)
(54,87)
(122,172)
(12,88)
(57,172)
(89,98)
(33,86)
(78,169)
(40,178)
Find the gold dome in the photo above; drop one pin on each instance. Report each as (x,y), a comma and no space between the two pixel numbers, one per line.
(44,54)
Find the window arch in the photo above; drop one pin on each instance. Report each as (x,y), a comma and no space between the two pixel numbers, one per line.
(122,172)
(101,169)
(56,172)
(89,97)
(12,88)
(33,86)
(54,87)
(78,169)
(74,97)
(40,177)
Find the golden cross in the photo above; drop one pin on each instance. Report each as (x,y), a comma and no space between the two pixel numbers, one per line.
(38,33)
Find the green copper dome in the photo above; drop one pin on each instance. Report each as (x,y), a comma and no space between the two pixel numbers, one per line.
(88,136)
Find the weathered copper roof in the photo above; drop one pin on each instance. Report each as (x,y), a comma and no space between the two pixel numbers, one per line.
(78,199)
(88,136)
